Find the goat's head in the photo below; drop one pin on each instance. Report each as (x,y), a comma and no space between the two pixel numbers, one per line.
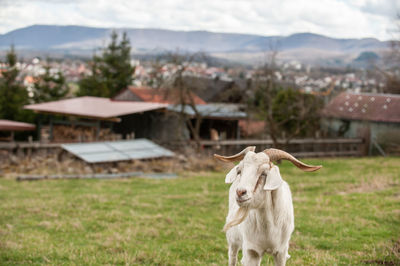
(256,172)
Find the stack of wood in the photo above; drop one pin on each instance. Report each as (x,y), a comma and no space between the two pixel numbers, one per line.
(107,134)
(73,133)
(64,133)
(45,134)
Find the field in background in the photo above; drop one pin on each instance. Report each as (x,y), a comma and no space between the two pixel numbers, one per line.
(347,213)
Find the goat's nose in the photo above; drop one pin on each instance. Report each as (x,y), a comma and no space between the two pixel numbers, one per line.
(241,192)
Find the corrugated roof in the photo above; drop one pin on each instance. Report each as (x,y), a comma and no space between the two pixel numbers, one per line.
(94,107)
(9,125)
(147,94)
(213,110)
(111,151)
(365,106)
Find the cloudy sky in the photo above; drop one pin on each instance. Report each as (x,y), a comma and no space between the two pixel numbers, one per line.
(335,18)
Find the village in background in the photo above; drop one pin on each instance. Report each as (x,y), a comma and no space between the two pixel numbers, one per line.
(125,106)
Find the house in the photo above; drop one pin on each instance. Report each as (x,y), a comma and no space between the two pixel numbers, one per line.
(369,115)
(93,118)
(146,94)
(135,112)
(89,118)
(222,117)
(220,90)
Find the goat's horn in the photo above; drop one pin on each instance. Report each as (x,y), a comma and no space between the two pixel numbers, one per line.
(275,154)
(236,157)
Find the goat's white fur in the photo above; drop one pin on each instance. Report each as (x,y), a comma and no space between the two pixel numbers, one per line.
(265,222)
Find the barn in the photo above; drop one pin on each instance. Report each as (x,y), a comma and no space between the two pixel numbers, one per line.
(373,116)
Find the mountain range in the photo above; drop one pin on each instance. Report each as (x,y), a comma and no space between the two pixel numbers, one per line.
(305,47)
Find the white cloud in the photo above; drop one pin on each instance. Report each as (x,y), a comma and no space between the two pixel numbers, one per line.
(336,18)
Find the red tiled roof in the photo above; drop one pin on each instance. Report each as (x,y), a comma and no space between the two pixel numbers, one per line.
(158,96)
(364,106)
(94,107)
(9,125)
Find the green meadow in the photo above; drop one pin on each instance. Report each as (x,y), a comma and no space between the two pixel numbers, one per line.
(348,213)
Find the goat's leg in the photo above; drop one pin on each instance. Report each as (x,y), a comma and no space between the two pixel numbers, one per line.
(251,258)
(280,258)
(233,253)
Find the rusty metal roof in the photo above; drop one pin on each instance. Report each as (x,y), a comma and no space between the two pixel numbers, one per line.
(9,125)
(376,107)
(94,107)
(111,151)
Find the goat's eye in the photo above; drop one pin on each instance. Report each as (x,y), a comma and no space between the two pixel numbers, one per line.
(238,171)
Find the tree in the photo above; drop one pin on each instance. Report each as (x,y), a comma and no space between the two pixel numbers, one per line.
(111,72)
(13,95)
(296,113)
(93,84)
(392,62)
(49,87)
(287,112)
(265,89)
(177,87)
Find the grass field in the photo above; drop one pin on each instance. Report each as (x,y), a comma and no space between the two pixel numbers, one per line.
(348,213)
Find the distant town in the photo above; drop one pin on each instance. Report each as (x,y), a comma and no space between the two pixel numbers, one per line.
(314,80)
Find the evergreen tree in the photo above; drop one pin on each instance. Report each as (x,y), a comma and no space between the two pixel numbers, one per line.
(49,87)
(93,84)
(13,95)
(111,72)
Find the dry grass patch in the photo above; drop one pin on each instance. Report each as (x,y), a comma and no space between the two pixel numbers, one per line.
(372,184)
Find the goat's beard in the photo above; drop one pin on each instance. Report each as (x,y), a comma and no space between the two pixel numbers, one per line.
(239,217)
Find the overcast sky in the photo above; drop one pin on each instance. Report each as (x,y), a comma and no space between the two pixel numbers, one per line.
(335,18)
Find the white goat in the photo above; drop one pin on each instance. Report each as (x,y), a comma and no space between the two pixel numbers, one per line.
(260,218)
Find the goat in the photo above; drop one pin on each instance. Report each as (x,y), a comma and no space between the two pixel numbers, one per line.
(260,218)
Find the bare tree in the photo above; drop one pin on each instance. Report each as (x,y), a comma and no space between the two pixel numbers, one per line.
(175,87)
(265,88)
(287,112)
(392,61)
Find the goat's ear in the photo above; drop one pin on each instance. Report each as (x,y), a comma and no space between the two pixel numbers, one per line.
(274,179)
(232,175)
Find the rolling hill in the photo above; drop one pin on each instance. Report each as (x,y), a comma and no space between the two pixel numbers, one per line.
(247,47)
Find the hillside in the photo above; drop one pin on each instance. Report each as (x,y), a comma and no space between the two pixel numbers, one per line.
(79,39)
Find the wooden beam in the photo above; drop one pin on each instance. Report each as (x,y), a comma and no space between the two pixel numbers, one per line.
(111,119)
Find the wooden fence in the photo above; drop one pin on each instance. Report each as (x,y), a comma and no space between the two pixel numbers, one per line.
(297,147)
